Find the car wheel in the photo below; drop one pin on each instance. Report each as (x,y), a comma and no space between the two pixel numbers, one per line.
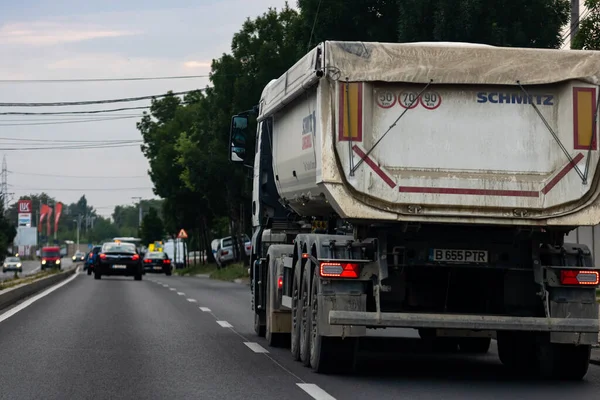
(97,275)
(89,271)
(138,277)
(4,270)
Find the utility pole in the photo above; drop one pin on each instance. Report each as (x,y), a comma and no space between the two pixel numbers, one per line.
(140,210)
(78,220)
(574,20)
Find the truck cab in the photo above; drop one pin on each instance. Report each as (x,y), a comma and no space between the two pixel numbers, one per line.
(51,257)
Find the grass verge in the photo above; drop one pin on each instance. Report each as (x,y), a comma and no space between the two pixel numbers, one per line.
(26,279)
(229,273)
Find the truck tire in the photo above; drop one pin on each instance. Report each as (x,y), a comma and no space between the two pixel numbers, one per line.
(296,311)
(273,339)
(304,308)
(557,361)
(517,351)
(438,344)
(328,354)
(474,345)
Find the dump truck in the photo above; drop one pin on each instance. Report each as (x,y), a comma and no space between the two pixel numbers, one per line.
(426,186)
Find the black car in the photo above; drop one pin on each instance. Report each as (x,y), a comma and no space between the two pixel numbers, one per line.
(157,261)
(118,259)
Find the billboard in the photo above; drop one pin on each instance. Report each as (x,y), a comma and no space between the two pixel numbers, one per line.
(24,220)
(26,236)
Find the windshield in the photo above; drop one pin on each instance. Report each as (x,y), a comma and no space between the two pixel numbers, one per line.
(156,254)
(13,259)
(50,253)
(118,248)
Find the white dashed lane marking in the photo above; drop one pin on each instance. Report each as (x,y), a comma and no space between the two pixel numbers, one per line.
(255,347)
(173,289)
(225,324)
(181,293)
(315,392)
(205,309)
(192,300)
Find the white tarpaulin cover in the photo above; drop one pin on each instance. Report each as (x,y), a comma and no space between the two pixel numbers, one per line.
(459,63)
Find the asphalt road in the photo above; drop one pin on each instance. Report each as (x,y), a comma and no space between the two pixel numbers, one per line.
(31,267)
(184,338)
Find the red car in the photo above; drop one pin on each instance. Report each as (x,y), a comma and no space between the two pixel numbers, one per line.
(51,257)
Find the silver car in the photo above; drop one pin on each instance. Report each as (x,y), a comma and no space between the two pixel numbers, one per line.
(12,264)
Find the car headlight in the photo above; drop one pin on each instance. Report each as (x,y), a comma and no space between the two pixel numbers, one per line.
(58,261)
(5,265)
(43,262)
(19,265)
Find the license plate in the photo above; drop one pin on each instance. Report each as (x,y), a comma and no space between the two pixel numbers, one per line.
(157,268)
(119,266)
(458,256)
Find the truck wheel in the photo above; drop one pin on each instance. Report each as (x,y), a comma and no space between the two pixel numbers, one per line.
(517,351)
(559,361)
(304,308)
(273,339)
(328,354)
(296,312)
(474,345)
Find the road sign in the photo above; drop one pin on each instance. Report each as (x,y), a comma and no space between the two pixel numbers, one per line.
(182,234)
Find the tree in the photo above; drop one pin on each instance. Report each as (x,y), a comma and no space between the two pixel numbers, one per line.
(152,227)
(532,23)
(7,232)
(588,36)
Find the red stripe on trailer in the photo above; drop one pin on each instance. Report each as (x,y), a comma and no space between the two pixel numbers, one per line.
(563,172)
(472,192)
(374,166)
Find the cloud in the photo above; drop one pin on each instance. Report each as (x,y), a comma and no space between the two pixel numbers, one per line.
(197,64)
(53,33)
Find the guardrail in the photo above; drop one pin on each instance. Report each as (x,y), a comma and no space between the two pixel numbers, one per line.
(10,296)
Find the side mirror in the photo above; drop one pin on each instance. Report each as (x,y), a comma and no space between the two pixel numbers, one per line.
(238,135)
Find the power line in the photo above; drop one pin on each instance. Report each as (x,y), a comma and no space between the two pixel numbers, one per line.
(78,121)
(45,141)
(35,118)
(78,147)
(78,176)
(90,102)
(77,112)
(79,189)
(155,78)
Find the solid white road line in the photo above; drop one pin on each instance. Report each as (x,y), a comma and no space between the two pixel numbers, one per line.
(192,300)
(181,293)
(35,298)
(225,324)
(255,347)
(315,392)
(205,309)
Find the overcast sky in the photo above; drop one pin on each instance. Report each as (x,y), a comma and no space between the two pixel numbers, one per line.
(66,39)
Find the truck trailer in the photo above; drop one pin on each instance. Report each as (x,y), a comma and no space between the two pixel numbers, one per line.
(426,186)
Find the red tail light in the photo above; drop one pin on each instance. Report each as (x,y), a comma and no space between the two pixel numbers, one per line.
(91,255)
(280,282)
(225,252)
(147,261)
(135,257)
(339,270)
(579,277)
(102,256)
(167,261)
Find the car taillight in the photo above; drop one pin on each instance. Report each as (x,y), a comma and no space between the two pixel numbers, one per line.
(225,252)
(135,257)
(579,277)
(147,261)
(91,255)
(167,261)
(280,282)
(102,256)
(339,270)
